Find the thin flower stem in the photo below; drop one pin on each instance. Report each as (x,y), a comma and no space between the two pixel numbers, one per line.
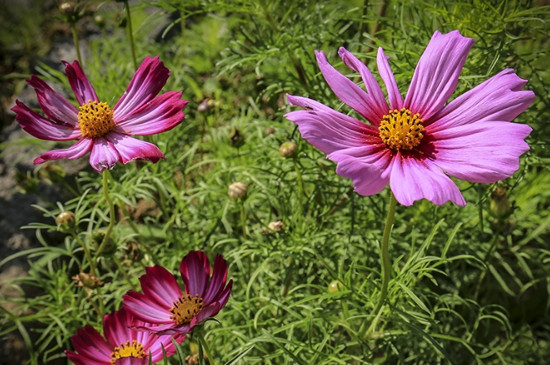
(130,33)
(76,44)
(243,217)
(301,190)
(385,262)
(199,333)
(111,213)
(87,253)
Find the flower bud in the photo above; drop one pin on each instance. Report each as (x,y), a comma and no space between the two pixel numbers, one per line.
(87,280)
(499,205)
(99,20)
(204,106)
(276,226)
(65,218)
(67,7)
(237,190)
(288,149)
(335,286)
(236,138)
(269,130)
(97,239)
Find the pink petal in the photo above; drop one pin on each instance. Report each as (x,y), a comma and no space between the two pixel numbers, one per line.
(77,150)
(219,278)
(394,96)
(480,152)
(498,98)
(40,127)
(195,272)
(147,82)
(159,115)
(413,179)
(130,149)
(375,97)
(160,286)
(116,328)
(54,105)
(104,154)
(82,88)
(327,129)
(166,342)
(367,166)
(436,74)
(149,311)
(90,346)
(347,91)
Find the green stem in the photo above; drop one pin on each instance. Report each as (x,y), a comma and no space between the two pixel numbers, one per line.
(199,333)
(111,213)
(76,44)
(243,217)
(130,33)
(301,191)
(385,261)
(87,253)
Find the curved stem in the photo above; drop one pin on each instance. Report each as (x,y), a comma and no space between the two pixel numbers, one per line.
(130,33)
(76,44)
(111,214)
(385,261)
(87,253)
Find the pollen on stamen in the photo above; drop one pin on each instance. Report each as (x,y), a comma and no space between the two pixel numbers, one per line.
(401,130)
(95,119)
(185,308)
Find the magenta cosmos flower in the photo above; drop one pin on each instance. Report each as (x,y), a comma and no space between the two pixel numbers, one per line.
(122,345)
(101,130)
(417,143)
(163,303)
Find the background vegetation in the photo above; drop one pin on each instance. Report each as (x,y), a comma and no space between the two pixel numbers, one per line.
(470,286)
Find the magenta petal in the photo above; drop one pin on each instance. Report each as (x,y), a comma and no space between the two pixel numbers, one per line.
(498,98)
(82,88)
(481,152)
(347,91)
(147,82)
(219,278)
(436,74)
(159,115)
(195,272)
(146,310)
(40,127)
(160,286)
(130,149)
(54,105)
(104,154)
(367,166)
(375,97)
(116,328)
(394,96)
(327,129)
(166,342)
(91,348)
(412,179)
(77,150)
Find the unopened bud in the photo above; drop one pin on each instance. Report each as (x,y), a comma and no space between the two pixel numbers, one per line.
(99,20)
(276,226)
(65,218)
(288,149)
(499,205)
(237,190)
(236,138)
(269,130)
(97,240)
(204,106)
(335,286)
(67,7)
(87,280)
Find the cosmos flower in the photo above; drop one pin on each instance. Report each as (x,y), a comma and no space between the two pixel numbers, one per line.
(99,129)
(163,303)
(121,345)
(415,144)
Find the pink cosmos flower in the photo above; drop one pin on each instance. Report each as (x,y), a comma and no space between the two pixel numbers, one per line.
(417,143)
(122,345)
(101,130)
(163,303)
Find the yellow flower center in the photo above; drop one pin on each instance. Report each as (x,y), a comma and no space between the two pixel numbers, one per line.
(401,130)
(135,350)
(185,308)
(95,119)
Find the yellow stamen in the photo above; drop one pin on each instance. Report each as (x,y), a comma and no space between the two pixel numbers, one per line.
(95,119)
(185,308)
(401,130)
(134,350)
